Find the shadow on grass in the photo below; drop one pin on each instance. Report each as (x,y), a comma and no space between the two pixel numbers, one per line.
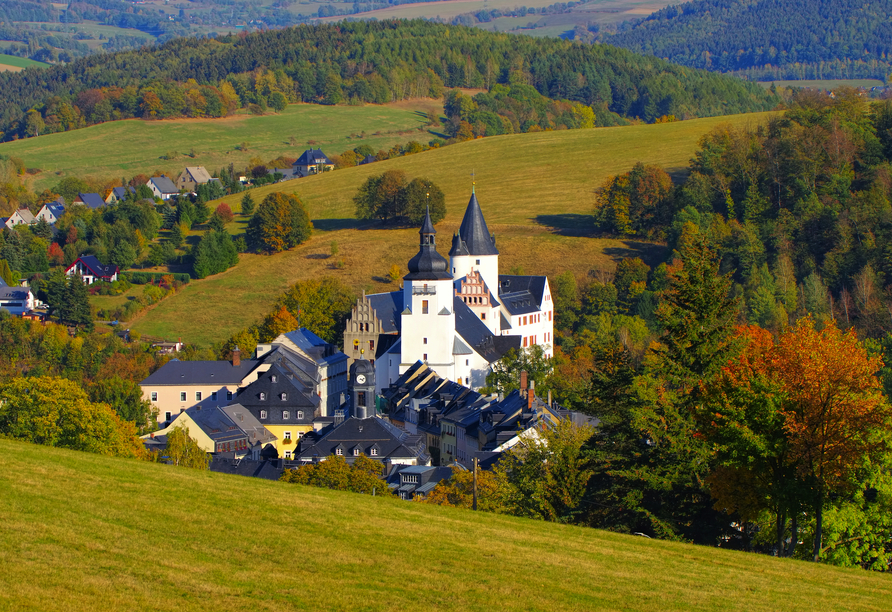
(318,256)
(570,224)
(384,280)
(332,225)
(651,254)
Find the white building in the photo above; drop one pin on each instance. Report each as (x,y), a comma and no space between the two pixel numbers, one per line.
(458,316)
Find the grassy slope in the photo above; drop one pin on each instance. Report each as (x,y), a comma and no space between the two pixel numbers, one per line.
(535,190)
(19,62)
(129,147)
(83,532)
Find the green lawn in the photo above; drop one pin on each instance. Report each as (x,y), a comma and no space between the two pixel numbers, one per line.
(536,191)
(19,62)
(84,532)
(125,148)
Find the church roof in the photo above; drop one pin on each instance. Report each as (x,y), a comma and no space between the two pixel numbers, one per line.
(428,264)
(387,307)
(474,233)
(478,336)
(522,294)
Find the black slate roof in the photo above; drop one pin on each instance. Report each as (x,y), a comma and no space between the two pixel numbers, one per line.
(474,233)
(428,264)
(387,307)
(92,200)
(535,285)
(311,157)
(477,335)
(13,293)
(97,267)
(164,184)
(389,440)
(176,372)
(297,398)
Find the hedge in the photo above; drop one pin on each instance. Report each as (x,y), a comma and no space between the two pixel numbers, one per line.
(141,278)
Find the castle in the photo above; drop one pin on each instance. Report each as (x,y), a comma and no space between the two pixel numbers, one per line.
(458,316)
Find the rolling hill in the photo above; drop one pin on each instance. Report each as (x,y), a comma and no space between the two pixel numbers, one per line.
(86,532)
(535,190)
(770,39)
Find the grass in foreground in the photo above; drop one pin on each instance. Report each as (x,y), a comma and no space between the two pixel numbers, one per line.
(84,532)
(536,191)
(124,148)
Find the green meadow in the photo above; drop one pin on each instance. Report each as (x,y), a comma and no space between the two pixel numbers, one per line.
(124,148)
(536,191)
(12,62)
(85,532)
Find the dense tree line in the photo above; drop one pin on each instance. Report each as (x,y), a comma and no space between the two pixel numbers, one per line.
(392,197)
(362,62)
(779,39)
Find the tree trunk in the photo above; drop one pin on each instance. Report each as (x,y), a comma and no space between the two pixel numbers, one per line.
(819,525)
(794,535)
(780,526)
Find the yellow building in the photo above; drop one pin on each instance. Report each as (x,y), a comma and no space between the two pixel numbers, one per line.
(227,429)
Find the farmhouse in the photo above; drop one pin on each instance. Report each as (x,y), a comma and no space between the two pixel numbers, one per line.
(311,161)
(458,316)
(22,216)
(191,177)
(92,270)
(162,187)
(51,211)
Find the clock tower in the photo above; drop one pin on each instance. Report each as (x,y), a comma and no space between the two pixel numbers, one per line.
(362,388)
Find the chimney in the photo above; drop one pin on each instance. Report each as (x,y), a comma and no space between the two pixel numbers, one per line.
(236,357)
(523,382)
(531,394)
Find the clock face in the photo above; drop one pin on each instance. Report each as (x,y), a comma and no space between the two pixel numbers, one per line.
(360,379)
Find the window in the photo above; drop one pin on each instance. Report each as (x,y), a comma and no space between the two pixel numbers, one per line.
(288,454)
(467,362)
(182,396)
(263,396)
(339,452)
(478,262)
(356,452)
(374,451)
(285,415)
(371,345)
(425,341)
(483,315)
(425,357)
(198,396)
(263,414)
(288,436)
(300,414)
(423,306)
(360,398)
(167,416)
(284,396)
(273,378)
(229,395)
(214,395)
(154,396)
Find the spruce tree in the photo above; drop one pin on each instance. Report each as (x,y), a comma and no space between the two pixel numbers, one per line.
(247,205)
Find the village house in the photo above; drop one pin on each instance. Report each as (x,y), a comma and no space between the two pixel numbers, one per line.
(51,211)
(18,301)
(373,437)
(311,161)
(91,270)
(191,177)
(90,200)
(162,187)
(179,385)
(416,481)
(118,194)
(22,216)
(227,429)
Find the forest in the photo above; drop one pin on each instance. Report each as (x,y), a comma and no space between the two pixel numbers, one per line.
(356,62)
(770,39)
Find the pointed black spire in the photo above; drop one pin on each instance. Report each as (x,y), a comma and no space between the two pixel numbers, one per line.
(473,230)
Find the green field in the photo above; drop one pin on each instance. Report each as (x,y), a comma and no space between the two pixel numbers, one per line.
(536,191)
(125,148)
(18,62)
(84,532)
(826,84)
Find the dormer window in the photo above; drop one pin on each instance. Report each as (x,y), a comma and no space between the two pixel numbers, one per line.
(262,396)
(273,378)
(339,452)
(300,414)
(374,451)
(284,396)
(263,414)
(285,415)
(356,452)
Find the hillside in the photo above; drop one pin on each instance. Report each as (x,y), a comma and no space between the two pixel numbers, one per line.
(90,532)
(354,62)
(128,147)
(770,39)
(536,191)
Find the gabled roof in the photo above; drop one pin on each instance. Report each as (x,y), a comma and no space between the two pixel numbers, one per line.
(24,214)
(8,293)
(270,386)
(390,441)
(199,174)
(121,192)
(315,347)
(248,423)
(164,184)
(311,157)
(522,294)
(216,424)
(474,237)
(478,336)
(56,209)
(176,372)
(92,200)
(368,159)
(95,266)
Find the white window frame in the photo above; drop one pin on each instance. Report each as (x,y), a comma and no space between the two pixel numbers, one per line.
(263,414)
(182,396)
(285,415)
(154,396)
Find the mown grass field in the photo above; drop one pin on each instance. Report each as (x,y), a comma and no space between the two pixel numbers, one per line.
(14,63)
(125,148)
(826,84)
(536,191)
(84,532)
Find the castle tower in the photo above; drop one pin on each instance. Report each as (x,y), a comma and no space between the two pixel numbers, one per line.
(474,248)
(428,318)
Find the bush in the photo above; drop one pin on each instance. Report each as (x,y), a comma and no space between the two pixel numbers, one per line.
(141,278)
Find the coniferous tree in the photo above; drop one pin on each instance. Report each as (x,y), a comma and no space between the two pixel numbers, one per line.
(247,205)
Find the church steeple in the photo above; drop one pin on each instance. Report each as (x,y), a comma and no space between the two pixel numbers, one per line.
(474,236)
(428,264)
